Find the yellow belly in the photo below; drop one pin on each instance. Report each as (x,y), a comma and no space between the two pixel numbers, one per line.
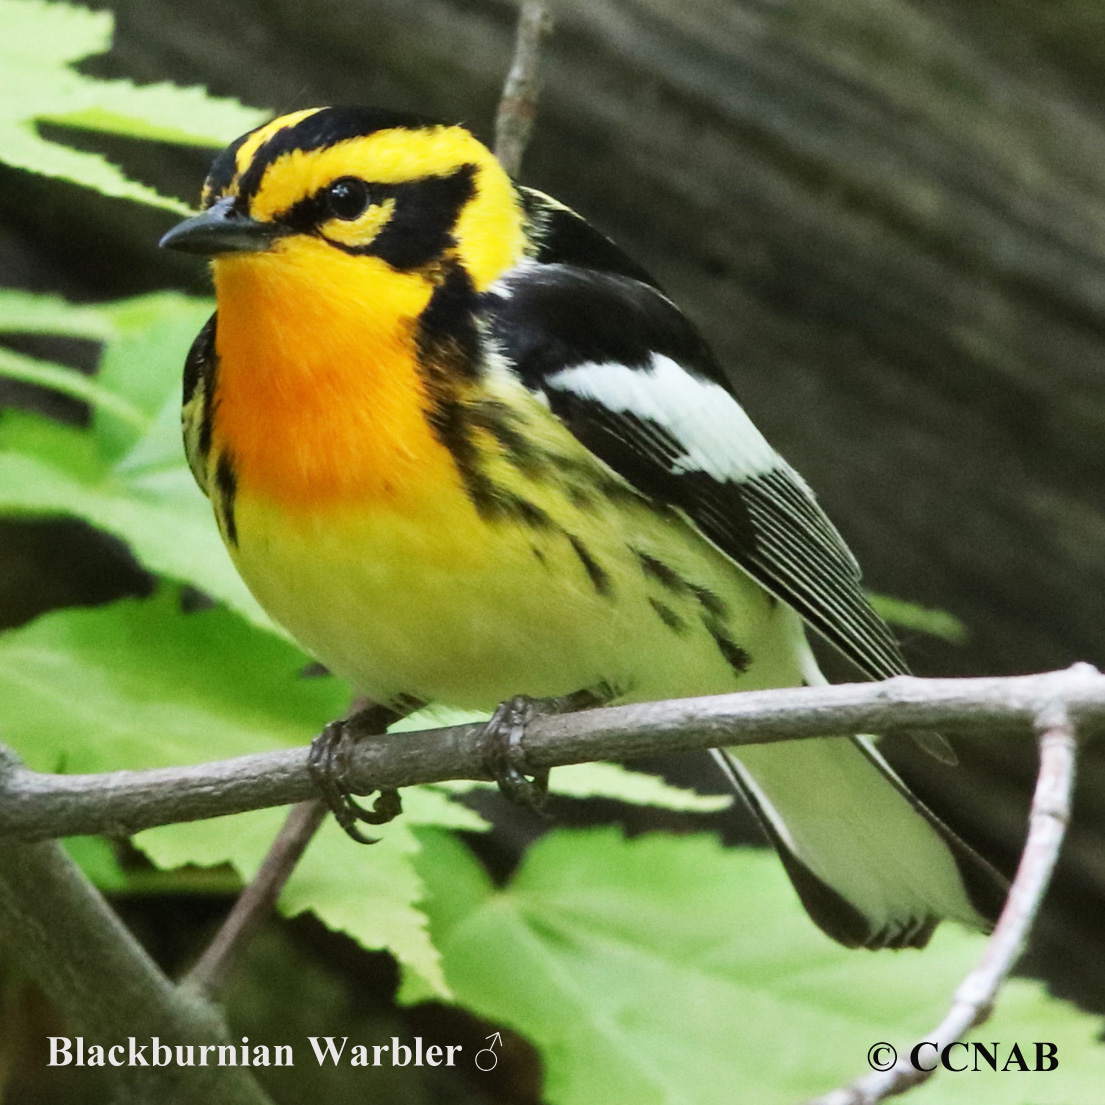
(436,603)
(352,523)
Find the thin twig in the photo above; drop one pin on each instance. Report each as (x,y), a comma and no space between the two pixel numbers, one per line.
(252,906)
(975,997)
(518,105)
(262,892)
(35,806)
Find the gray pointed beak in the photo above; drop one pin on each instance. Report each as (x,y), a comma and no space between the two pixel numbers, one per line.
(221,229)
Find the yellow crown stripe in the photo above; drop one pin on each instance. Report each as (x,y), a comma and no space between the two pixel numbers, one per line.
(387,157)
(248,149)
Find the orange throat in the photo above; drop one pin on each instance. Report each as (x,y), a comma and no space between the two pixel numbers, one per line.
(319,400)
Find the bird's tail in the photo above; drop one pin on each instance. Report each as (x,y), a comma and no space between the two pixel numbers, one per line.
(872,865)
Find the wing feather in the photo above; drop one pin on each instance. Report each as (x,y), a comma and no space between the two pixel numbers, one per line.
(634,382)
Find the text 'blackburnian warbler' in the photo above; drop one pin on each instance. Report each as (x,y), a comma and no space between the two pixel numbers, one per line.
(463,448)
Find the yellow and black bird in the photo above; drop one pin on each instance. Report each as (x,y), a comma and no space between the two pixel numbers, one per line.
(465,449)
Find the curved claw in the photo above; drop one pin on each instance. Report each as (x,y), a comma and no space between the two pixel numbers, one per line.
(506,756)
(329,763)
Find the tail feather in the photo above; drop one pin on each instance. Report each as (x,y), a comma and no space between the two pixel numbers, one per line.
(872,865)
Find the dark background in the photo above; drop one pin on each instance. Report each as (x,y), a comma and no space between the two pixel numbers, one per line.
(889,219)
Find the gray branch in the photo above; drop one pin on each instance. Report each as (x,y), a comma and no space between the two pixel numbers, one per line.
(103,982)
(36,806)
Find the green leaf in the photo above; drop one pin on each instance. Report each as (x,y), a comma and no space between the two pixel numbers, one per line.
(140,684)
(30,313)
(670,970)
(67,381)
(143,362)
(145,341)
(39,44)
(63,447)
(370,893)
(137,683)
(921,619)
(603,780)
(48,470)
(128,476)
(96,858)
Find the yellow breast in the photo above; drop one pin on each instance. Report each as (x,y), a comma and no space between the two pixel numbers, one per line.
(356,531)
(433,601)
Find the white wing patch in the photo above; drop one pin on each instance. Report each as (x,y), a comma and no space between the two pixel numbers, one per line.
(717,437)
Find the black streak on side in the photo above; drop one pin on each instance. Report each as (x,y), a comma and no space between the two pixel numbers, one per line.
(668,616)
(667,577)
(735,656)
(581,499)
(199,364)
(504,426)
(202,363)
(710,602)
(448,350)
(509,504)
(449,358)
(584,477)
(595,572)
(448,340)
(449,353)
(558,316)
(714,611)
(226,487)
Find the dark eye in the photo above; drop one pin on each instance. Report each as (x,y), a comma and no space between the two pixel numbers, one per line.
(347,198)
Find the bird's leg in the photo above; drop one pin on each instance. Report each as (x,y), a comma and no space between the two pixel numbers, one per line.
(505,755)
(329,763)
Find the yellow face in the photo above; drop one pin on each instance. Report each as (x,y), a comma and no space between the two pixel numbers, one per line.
(331,232)
(414,195)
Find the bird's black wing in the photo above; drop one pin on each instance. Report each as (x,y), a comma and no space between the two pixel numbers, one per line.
(633,380)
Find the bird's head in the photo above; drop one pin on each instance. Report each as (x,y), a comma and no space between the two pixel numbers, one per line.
(352,183)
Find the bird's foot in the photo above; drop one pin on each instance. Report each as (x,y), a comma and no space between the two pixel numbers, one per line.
(506,756)
(504,735)
(329,763)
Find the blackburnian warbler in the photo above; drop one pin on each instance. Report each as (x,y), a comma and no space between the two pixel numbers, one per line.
(463,448)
